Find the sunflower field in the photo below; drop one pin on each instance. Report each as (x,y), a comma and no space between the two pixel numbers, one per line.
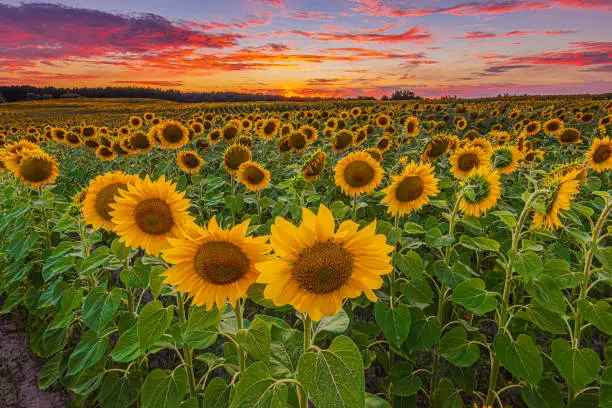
(328,254)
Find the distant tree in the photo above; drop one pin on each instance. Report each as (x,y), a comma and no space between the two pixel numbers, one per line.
(2,98)
(69,95)
(384,98)
(403,95)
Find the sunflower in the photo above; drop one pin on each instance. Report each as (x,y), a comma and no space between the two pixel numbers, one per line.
(553,127)
(234,156)
(298,141)
(215,136)
(148,213)
(505,159)
(140,142)
(358,173)
(58,134)
(384,143)
(172,134)
(230,131)
(436,147)
(15,152)
(149,116)
(283,145)
(566,168)
(411,127)
(286,130)
(533,158)
(482,191)
(361,135)
(532,128)
(135,122)
(37,169)
(374,153)
(213,265)
(599,156)
(101,192)
(467,158)
(342,141)
(410,190)
(92,144)
(253,176)
(189,161)
(310,132)
(314,165)
(569,136)
(88,132)
(562,189)
(317,266)
(197,128)
(269,129)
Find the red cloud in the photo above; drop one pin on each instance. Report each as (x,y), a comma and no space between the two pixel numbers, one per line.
(414,34)
(311,16)
(150,83)
(582,54)
(479,35)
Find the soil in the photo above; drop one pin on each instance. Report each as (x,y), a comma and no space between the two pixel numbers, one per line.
(19,372)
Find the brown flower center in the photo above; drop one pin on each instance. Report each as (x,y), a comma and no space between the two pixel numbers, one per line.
(221,262)
(172,134)
(468,161)
(409,189)
(190,160)
(358,174)
(105,197)
(154,216)
(36,169)
(254,175)
(602,154)
(323,268)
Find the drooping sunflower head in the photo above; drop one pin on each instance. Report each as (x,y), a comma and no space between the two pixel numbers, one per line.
(599,156)
(361,135)
(314,165)
(358,173)
(100,194)
(467,158)
(411,126)
(317,266)
(342,141)
(569,136)
(189,161)
(384,143)
(172,134)
(553,127)
(234,156)
(563,169)
(561,191)
(37,169)
(253,176)
(505,159)
(148,213)
(481,191)
(215,265)
(411,190)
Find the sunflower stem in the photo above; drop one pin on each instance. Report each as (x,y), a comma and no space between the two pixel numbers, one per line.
(354,216)
(43,214)
(307,343)
(240,326)
(503,315)
(187,351)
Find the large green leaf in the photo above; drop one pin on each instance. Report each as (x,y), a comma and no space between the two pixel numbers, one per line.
(257,388)
(410,264)
(472,295)
(446,396)
(528,264)
(605,390)
(119,391)
(521,357)
(336,324)
(152,323)
(546,293)
(424,332)
(217,394)
(202,327)
(545,395)
(50,372)
(395,323)
(162,389)
(578,366)
(456,348)
(479,243)
(256,339)
(543,318)
(95,261)
(90,349)
(100,307)
(599,314)
(128,347)
(334,377)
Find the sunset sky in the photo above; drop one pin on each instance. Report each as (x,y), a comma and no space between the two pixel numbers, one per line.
(312,48)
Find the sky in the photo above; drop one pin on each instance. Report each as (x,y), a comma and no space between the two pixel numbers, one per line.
(323,48)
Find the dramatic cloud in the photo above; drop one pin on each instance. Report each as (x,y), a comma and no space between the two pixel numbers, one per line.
(413,34)
(479,35)
(582,54)
(149,83)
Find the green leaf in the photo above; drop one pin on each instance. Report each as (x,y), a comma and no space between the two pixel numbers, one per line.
(202,327)
(157,281)
(13,299)
(456,348)
(528,264)
(118,391)
(578,366)
(605,390)
(547,294)
(545,395)
(217,394)
(446,396)
(506,217)
(138,276)
(424,332)
(521,357)
(285,352)
(451,277)
(99,257)
(334,377)
(404,383)
(57,266)
(543,318)
(604,256)
(53,340)
(412,228)
(100,307)
(127,348)
(559,270)
(472,295)
(395,323)
(86,381)
(88,352)
(256,339)
(162,389)
(50,372)
(410,264)
(256,294)
(374,401)
(599,314)
(257,388)
(417,293)
(152,323)
(479,243)
(336,324)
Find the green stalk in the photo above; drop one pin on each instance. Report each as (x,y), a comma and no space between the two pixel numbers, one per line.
(354,216)
(240,325)
(503,315)
(187,351)
(45,219)
(307,343)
